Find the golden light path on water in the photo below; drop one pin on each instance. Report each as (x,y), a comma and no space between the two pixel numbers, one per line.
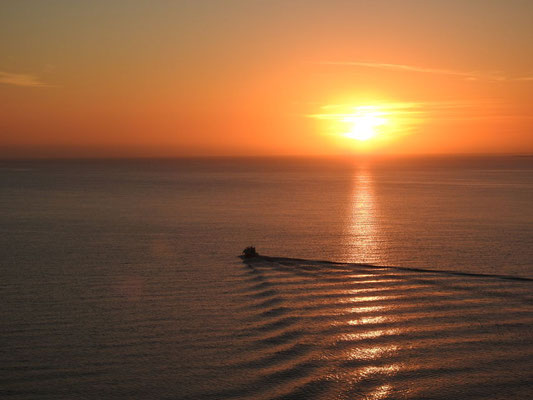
(362,242)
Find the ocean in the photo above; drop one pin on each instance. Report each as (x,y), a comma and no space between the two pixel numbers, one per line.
(121,278)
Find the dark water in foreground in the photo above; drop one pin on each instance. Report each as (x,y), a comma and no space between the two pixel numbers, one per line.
(119,279)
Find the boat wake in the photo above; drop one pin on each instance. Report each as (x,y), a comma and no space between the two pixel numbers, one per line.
(324,330)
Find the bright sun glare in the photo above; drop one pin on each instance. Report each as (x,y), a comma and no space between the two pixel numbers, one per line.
(364,123)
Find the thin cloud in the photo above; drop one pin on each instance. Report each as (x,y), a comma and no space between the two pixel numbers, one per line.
(16,79)
(496,76)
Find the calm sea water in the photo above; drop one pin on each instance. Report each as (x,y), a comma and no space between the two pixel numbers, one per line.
(119,279)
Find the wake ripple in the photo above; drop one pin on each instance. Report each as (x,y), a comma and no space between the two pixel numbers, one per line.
(324,330)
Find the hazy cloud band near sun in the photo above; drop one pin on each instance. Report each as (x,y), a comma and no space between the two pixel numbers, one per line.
(27,80)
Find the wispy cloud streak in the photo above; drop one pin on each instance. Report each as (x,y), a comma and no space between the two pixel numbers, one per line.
(470,75)
(16,79)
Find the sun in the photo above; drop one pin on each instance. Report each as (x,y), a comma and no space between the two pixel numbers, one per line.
(364,123)
(362,126)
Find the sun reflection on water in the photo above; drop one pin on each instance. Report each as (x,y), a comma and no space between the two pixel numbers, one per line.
(369,320)
(362,231)
(372,324)
(381,392)
(368,335)
(358,291)
(379,280)
(374,370)
(371,353)
(366,309)
(357,276)
(365,299)
(371,334)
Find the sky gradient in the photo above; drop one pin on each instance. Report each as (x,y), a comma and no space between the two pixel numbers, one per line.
(201,78)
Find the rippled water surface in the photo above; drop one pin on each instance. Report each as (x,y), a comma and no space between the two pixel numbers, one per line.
(119,279)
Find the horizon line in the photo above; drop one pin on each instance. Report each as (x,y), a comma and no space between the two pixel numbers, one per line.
(269,156)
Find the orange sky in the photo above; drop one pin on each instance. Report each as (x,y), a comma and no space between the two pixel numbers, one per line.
(187,78)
